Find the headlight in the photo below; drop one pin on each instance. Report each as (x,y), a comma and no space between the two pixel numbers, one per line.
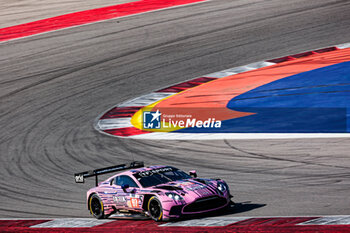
(174,196)
(222,187)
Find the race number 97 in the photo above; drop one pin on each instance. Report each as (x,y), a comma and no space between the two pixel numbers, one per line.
(134,202)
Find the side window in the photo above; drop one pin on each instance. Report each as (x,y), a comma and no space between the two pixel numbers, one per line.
(121,180)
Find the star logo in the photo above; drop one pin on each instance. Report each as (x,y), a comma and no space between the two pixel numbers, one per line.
(156,115)
(151,120)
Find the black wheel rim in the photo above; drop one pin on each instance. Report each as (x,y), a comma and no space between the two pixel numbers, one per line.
(95,206)
(154,209)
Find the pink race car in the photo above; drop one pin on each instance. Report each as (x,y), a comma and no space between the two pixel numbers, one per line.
(160,192)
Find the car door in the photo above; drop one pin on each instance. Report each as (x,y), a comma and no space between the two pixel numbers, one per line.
(126,198)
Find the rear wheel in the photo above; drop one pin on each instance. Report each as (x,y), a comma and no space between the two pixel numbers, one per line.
(96,206)
(155,209)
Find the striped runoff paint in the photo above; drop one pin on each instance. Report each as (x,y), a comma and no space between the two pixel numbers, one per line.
(118,121)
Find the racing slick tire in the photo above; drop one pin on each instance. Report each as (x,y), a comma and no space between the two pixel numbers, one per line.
(155,209)
(96,207)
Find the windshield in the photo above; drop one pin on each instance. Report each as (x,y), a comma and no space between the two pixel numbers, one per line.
(160,176)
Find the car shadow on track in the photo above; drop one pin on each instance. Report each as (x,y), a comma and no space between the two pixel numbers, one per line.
(233,209)
(244,207)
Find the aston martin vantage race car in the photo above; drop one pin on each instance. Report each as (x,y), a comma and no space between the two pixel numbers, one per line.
(160,192)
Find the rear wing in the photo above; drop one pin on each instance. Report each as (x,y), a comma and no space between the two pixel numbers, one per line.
(80,177)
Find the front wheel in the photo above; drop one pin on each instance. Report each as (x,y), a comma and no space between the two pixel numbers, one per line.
(155,209)
(96,206)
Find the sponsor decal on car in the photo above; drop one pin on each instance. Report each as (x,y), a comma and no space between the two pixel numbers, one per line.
(195,187)
(119,199)
(151,172)
(134,202)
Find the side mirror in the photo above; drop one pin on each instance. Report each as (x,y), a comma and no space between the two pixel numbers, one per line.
(193,173)
(125,186)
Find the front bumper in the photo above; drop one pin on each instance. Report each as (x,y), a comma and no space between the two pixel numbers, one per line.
(201,205)
(205,204)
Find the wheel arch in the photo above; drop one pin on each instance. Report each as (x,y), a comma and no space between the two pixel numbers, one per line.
(145,201)
(88,200)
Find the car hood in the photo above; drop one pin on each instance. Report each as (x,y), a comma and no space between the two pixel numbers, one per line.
(195,187)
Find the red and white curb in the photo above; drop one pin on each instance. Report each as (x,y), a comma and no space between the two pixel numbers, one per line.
(331,220)
(226,222)
(117,121)
(207,222)
(71,223)
(77,19)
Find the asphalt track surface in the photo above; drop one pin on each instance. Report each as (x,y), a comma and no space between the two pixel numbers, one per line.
(54,85)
